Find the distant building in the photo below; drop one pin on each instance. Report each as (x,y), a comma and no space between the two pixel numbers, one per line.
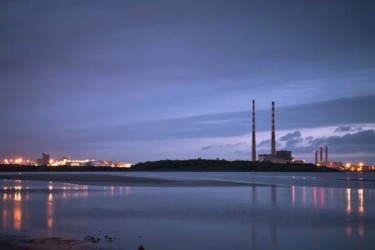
(281,156)
(44,161)
(66,161)
(331,164)
(326,163)
(117,164)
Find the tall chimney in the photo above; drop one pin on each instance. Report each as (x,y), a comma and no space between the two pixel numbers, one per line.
(321,153)
(326,149)
(316,156)
(253,145)
(273,140)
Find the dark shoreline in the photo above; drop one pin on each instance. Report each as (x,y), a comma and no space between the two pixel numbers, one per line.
(194,165)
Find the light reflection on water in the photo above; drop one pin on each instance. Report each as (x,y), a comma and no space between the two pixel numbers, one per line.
(259,214)
(16,194)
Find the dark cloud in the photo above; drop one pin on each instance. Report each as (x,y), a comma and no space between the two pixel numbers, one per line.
(360,143)
(291,139)
(264,143)
(290,136)
(223,146)
(348,129)
(267,143)
(309,138)
(343,129)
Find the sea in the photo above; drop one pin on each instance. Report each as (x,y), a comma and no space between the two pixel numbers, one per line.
(278,211)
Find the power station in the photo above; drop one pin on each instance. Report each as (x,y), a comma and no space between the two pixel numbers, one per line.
(285,156)
(276,156)
(325,163)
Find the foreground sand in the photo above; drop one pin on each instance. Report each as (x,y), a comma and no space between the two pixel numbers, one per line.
(116,180)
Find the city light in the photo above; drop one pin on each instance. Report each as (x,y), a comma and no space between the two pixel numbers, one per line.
(46,160)
(347,166)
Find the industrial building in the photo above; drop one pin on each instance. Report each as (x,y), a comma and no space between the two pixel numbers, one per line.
(281,156)
(44,161)
(326,163)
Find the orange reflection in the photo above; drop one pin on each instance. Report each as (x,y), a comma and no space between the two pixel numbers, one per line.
(5,218)
(17,196)
(17,217)
(12,216)
(348,201)
(50,211)
(361,208)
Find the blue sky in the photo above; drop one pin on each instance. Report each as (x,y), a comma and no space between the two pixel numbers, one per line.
(148,80)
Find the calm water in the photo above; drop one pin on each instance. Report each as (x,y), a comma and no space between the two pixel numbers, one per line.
(300,211)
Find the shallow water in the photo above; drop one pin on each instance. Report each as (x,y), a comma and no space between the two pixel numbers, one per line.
(298,211)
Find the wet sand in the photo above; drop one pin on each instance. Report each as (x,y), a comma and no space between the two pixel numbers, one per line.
(9,246)
(115,180)
(42,244)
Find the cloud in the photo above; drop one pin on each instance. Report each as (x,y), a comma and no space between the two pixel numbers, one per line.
(202,129)
(291,139)
(264,143)
(309,138)
(348,129)
(291,136)
(362,141)
(223,146)
(239,123)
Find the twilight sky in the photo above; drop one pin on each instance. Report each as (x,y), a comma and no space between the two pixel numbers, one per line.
(146,80)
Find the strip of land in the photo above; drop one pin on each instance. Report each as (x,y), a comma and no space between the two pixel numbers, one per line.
(196,165)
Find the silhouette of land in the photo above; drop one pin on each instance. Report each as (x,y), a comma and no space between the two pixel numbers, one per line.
(183,165)
(223,165)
